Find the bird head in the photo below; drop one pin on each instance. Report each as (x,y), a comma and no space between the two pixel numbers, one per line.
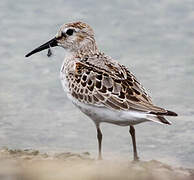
(74,37)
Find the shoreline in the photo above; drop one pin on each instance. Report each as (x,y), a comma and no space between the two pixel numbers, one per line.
(33,165)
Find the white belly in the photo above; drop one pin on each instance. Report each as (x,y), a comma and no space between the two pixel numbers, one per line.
(102,114)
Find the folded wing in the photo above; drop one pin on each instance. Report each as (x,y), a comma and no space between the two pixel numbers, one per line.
(113,87)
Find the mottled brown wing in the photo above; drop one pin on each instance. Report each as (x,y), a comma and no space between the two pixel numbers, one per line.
(94,85)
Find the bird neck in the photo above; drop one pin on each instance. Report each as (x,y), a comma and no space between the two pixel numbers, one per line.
(86,50)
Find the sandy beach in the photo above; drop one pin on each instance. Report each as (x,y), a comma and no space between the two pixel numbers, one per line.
(33,165)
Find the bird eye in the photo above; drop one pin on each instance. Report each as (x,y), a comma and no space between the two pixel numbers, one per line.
(69,32)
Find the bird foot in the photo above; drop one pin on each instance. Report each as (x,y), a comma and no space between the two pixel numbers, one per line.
(99,158)
(136,160)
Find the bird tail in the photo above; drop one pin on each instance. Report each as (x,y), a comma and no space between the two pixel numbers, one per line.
(165,113)
(158,116)
(158,119)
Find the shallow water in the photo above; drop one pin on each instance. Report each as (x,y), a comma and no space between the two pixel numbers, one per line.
(153,38)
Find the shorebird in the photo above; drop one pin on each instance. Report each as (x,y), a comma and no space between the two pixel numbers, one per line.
(101,87)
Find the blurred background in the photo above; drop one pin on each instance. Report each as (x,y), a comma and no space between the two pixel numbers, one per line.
(154,39)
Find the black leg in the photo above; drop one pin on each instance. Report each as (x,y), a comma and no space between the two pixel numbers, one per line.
(99,136)
(132,132)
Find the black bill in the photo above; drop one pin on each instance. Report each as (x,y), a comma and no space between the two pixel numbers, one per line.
(51,43)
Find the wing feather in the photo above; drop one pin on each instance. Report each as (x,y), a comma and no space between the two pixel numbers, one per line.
(112,86)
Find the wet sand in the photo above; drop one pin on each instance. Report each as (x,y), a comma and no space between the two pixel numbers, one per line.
(33,165)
